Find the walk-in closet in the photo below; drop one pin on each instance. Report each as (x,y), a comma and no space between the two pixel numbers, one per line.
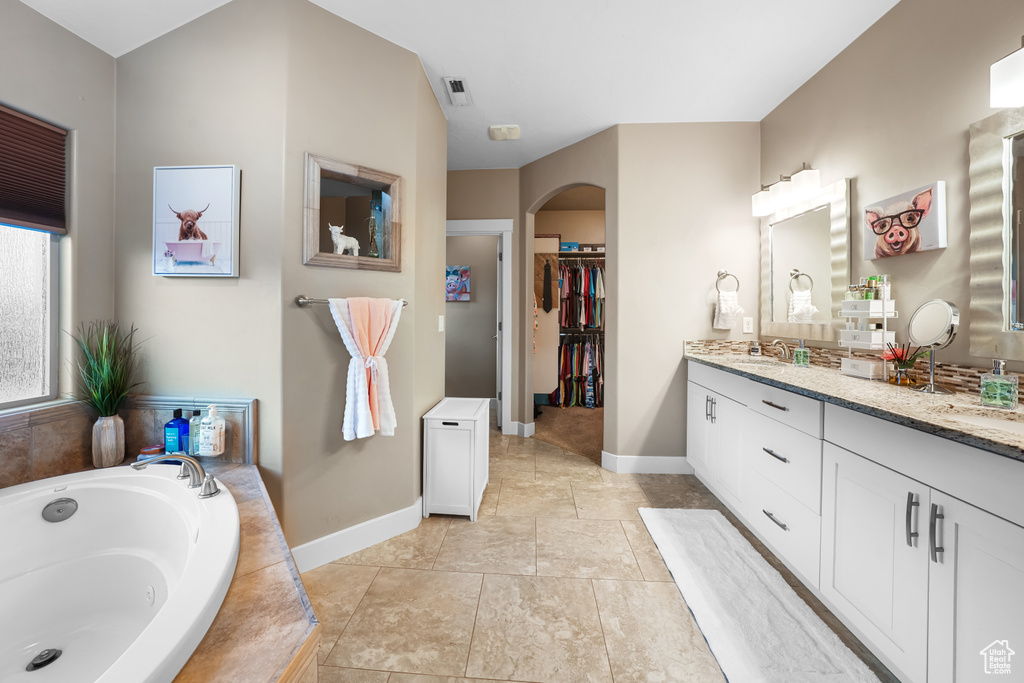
(569,322)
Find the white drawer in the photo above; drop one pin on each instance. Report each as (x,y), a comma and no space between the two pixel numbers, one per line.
(797,411)
(793,531)
(720,381)
(867,337)
(786,457)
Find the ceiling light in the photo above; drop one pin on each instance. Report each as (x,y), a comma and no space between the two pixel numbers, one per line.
(504,132)
(1007,80)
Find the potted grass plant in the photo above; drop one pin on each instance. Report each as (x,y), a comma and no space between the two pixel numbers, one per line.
(107,369)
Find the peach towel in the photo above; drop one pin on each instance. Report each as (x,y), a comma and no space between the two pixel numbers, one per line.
(367,327)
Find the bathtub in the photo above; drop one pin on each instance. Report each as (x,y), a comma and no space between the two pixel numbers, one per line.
(125,587)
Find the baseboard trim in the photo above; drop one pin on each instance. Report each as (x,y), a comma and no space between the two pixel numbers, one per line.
(525,429)
(331,547)
(645,464)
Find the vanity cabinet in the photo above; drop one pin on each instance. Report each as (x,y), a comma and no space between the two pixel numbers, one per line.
(714,440)
(874,569)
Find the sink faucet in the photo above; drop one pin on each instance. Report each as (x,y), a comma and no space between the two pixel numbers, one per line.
(190,468)
(785,348)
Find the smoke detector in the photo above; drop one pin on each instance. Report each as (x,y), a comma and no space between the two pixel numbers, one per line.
(458,91)
(504,132)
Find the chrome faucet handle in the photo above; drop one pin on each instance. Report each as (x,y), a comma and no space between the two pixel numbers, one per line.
(210,488)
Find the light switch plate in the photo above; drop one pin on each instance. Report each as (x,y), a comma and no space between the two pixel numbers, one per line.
(440,323)
(748,326)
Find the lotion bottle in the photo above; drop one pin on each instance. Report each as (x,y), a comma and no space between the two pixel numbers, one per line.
(193,430)
(211,433)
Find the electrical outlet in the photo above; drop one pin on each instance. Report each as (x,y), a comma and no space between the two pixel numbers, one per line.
(748,326)
(440,323)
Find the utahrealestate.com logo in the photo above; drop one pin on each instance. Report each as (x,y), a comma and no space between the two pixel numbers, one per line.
(997,657)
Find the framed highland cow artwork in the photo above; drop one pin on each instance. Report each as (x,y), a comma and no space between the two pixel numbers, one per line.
(195,221)
(909,222)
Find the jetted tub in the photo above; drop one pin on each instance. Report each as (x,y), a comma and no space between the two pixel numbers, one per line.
(125,587)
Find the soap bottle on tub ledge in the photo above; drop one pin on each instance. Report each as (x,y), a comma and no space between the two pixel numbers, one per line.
(211,433)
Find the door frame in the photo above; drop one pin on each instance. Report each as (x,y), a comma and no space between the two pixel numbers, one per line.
(502,227)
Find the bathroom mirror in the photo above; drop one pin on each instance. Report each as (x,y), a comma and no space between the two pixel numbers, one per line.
(812,238)
(801,258)
(934,324)
(351,216)
(997,246)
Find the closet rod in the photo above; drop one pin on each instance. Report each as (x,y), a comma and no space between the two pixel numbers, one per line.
(576,332)
(303,300)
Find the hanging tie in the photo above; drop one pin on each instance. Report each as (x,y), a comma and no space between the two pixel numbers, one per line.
(547,287)
(370,363)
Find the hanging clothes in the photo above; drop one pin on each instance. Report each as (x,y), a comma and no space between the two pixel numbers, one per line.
(580,372)
(582,294)
(547,287)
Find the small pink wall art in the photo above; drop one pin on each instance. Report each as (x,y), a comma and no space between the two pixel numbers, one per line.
(909,222)
(456,283)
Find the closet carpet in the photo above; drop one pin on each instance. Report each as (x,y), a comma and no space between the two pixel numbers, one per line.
(577,430)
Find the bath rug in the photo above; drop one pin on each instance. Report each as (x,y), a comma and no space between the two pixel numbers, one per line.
(755,624)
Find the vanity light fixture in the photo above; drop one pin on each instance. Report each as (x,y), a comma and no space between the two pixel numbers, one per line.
(1007,80)
(786,191)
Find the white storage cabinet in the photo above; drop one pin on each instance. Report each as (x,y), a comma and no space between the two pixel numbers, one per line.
(455,456)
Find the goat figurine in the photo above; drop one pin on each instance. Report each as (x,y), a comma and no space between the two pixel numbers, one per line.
(343,243)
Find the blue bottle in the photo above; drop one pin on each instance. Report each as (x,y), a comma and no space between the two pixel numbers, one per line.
(176,434)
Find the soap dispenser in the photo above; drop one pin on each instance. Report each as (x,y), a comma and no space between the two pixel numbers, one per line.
(801,355)
(999,390)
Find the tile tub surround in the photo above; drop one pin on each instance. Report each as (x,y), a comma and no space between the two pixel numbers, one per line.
(266,629)
(557,581)
(931,413)
(55,439)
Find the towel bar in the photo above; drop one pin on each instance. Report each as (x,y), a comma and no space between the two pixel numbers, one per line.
(303,300)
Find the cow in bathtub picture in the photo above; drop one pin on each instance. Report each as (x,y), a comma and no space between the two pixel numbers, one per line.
(909,222)
(456,283)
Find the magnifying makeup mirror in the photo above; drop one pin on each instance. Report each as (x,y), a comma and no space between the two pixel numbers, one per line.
(934,325)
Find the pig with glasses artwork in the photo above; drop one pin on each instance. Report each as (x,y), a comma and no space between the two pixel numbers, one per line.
(913,221)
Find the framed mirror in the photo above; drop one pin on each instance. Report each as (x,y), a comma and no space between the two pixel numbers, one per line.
(805,266)
(997,252)
(351,216)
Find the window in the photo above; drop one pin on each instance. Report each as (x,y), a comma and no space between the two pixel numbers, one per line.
(32,215)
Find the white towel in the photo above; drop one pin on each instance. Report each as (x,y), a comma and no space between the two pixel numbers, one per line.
(727,310)
(801,310)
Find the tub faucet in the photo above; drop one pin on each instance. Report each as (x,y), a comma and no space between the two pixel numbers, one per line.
(785,347)
(190,468)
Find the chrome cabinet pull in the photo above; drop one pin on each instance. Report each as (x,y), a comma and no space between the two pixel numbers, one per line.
(714,410)
(772,517)
(911,504)
(707,407)
(774,405)
(932,537)
(774,454)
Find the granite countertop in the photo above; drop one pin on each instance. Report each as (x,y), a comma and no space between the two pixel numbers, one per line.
(265,629)
(958,417)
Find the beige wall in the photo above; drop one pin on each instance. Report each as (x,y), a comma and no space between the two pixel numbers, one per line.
(50,73)
(490,194)
(205,336)
(271,90)
(471,355)
(394,126)
(573,226)
(892,112)
(683,213)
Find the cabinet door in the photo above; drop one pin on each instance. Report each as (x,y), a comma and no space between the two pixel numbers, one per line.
(698,411)
(725,447)
(976,616)
(872,569)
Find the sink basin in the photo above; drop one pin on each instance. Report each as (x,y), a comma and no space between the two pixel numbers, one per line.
(1009,421)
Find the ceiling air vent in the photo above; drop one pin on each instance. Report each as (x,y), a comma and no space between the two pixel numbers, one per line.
(458,91)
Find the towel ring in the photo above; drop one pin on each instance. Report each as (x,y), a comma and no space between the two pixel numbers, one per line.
(722,274)
(795,275)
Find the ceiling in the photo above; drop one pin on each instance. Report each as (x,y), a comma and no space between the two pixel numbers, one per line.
(560,69)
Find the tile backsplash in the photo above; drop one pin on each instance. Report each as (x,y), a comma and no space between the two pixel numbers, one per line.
(54,440)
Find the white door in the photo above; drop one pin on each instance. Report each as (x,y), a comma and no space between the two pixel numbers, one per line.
(698,413)
(726,447)
(976,615)
(873,566)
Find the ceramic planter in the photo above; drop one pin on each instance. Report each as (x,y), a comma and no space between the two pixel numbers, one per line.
(108,441)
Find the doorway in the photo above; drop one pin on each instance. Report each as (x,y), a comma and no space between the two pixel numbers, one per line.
(494,345)
(568,365)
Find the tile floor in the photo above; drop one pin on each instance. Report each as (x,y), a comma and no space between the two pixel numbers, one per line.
(557,581)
